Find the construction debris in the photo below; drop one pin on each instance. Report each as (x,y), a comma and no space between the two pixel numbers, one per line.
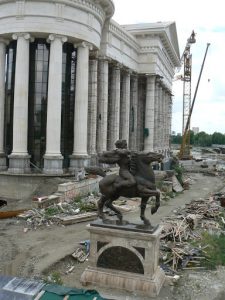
(82,252)
(183,229)
(65,213)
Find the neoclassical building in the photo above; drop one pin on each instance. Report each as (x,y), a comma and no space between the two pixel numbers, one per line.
(73,81)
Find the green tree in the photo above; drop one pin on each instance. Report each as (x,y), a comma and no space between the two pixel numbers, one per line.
(203,139)
(218,138)
(176,139)
(192,137)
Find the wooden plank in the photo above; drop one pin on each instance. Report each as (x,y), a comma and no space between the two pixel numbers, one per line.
(11,213)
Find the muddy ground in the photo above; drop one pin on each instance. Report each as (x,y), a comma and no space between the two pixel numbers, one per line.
(47,250)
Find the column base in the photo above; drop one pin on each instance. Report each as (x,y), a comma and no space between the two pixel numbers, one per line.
(53,165)
(3,165)
(93,159)
(78,163)
(19,163)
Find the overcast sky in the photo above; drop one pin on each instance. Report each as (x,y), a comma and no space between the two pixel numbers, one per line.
(206,18)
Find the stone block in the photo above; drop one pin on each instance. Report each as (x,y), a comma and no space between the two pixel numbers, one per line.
(167,186)
(46,201)
(68,220)
(65,187)
(71,190)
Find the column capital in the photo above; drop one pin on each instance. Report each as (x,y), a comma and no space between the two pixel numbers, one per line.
(104,58)
(153,75)
(151,78)
(128,71)
(134,76)
(159,81)
(4,41)
(52,37)
(93,54)
(25,35)
(83,45)
(117,65)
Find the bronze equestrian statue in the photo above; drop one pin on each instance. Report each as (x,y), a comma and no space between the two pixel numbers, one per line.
(136,179)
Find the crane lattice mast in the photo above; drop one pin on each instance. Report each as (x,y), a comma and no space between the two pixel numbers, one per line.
(187,72)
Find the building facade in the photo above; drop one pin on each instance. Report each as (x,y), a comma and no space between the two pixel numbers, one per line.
(73,81)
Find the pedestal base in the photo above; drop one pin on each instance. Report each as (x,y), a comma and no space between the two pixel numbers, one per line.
(138,284)
(19,164)
(124,257)
(53,165)
(78,163)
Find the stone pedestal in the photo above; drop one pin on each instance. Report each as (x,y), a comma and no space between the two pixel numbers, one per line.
(3,165)
(19,164)
(78,163)
(124,257)
(53,165)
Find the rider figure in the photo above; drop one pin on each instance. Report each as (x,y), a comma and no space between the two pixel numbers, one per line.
(126,178)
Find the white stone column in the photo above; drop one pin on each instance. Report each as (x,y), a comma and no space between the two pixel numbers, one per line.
(53,159)
(80,157)
(3,43)
(164,116)
(160,123)
(150,113)
(170,104)
(156,116)
(19,160)
(102,118)
(133,113)
(168,113)
(114,108)
(166,109)
(125,107)
(92,107)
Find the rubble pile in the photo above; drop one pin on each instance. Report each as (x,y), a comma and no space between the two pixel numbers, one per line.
(55,213)
(182,233)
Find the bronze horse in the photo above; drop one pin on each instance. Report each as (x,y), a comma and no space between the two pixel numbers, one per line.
(143,173)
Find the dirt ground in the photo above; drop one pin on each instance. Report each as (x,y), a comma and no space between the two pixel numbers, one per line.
(47,250)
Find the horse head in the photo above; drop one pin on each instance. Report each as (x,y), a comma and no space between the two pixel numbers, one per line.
(149,157)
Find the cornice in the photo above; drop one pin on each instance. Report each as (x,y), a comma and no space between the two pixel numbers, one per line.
(102,9)
(123,35)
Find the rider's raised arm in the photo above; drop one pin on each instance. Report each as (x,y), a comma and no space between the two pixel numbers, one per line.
(109,157)
(123,151)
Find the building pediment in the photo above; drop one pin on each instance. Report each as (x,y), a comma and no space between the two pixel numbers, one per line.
(167,33)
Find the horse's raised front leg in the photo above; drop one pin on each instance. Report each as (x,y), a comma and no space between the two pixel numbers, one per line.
(112,207)
(101,203)
(144,201)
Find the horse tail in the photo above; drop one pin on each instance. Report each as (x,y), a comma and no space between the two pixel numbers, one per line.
(133,163)
(95,171)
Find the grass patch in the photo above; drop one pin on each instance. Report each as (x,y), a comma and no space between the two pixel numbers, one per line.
(51,211)
(84,206)
(54,277)
(77,199)
(179,171)
(214,250)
